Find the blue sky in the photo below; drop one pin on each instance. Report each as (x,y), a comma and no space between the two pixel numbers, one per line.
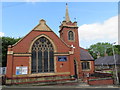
(18,18)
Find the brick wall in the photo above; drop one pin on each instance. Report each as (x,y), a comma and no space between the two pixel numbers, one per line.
(101,81)
(38,79)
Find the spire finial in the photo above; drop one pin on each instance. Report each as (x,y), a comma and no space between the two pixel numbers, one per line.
(67,19)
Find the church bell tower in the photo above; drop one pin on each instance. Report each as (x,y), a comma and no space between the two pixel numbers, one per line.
(69,30)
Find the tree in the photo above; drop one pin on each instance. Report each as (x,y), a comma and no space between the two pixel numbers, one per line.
(118,49)
(5,41)
(102,49)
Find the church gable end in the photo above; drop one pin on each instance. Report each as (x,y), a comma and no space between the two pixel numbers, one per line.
(42,26)
(42,29)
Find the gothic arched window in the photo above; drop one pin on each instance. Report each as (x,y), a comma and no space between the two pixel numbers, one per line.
(42,56)
(70,35)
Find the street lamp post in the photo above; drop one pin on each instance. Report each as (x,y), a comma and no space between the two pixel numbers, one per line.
(116,71)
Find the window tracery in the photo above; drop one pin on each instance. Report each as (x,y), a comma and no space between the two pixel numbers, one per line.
(42,56)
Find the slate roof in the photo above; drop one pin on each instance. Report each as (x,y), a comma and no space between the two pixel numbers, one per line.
(107,60)
(85,55)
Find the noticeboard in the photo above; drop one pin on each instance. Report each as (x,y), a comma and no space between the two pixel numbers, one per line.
(21,70)
(62,58)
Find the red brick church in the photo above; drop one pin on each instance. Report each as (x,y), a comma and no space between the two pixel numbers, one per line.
(43,56)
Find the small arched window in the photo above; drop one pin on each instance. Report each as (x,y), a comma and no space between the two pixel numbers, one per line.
(70,35)
(42,56)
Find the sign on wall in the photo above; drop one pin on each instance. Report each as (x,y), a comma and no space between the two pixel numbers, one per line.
(21,70)
(2,70)
(62,58)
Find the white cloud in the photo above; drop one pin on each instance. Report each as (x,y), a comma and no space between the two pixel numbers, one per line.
(106,31)
(1,34)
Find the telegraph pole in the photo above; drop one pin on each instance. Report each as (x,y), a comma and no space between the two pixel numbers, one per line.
(116,71)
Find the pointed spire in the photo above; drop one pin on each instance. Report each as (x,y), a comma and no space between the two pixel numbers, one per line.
(67,19)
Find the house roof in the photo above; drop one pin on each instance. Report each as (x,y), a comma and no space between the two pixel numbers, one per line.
(108,60)
(85,55)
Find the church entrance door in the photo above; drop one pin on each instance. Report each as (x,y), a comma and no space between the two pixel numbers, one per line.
(75,69)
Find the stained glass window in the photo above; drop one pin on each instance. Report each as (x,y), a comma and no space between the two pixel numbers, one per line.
(42,56)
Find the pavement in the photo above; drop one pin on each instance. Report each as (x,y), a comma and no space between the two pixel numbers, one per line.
(62,86)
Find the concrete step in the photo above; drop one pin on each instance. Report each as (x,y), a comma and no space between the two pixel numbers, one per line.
(79,80)
(83,84)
